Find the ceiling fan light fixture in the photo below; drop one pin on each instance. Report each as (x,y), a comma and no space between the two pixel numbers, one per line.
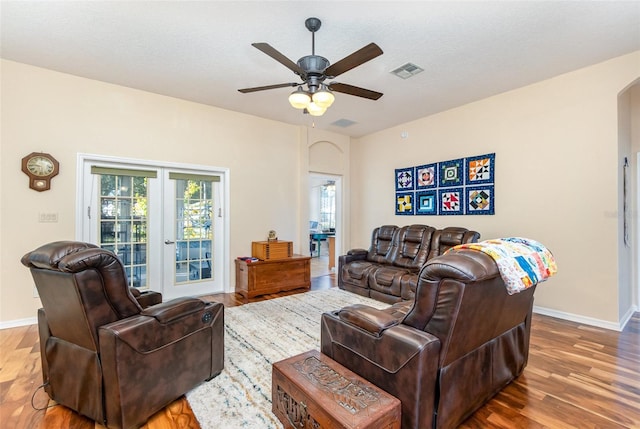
(299,99)
(323,97)
(315,110)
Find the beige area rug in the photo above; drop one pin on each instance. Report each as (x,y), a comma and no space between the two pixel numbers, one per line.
(256,336)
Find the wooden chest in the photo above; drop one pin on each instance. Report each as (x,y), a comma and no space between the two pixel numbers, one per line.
(312,391)
(269,250)
(264,277)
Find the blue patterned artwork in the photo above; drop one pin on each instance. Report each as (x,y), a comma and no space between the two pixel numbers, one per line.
(405,179)
(427,176)
(451,173)
(404,203)
(480,169)
(480,200)
(427,202)
(451,201)
(464,186)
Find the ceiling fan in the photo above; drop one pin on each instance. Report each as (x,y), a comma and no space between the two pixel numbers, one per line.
(313,70)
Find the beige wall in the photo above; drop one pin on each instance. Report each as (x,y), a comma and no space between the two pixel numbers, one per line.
(557,177)
(65,115)
(634,124)
(329,154)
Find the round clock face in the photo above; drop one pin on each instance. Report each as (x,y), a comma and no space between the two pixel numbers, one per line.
(40,166)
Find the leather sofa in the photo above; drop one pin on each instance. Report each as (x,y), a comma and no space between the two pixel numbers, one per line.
(105,356)
(447,352)
(388,270)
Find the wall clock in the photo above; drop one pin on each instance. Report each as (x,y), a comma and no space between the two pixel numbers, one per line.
(40,167)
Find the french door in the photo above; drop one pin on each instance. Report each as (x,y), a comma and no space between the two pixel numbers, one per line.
(165,223)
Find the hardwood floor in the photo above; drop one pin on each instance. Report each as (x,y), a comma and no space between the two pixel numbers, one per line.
(578,376)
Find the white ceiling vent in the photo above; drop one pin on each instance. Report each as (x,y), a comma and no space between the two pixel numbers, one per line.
(344,123)
(407,70)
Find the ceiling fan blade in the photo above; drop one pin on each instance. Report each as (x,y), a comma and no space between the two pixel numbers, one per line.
(360,56)
(354,90)
(262,88)
(276,55)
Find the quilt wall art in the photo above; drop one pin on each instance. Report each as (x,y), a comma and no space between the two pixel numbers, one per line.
(464,186)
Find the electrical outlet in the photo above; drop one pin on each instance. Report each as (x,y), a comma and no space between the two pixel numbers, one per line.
(48,217)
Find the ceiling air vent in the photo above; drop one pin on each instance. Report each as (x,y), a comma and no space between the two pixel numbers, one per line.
(344,123)
(407,70)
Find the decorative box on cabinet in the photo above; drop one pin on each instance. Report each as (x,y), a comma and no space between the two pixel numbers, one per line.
(264,277)
(275,249)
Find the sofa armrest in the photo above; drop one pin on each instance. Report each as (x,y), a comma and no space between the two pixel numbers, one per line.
(368,318)
(392,350)
(358,252)
(402,361)
(146,298)
(159,325)
(174,309)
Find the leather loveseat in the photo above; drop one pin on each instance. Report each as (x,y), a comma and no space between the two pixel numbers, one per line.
(106,356)
(388,270)
(447,352)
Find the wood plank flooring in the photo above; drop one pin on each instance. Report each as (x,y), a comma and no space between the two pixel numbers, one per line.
(578,376)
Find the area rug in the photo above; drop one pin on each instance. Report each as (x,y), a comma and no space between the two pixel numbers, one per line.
(256,336)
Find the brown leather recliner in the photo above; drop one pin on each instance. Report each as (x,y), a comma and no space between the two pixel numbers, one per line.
(447,352)
(105,356)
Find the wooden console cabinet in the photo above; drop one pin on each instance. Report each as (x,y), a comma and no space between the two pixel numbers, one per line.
(264,277)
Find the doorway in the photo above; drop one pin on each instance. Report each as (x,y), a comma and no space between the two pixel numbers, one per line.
(325,222)
(164,222)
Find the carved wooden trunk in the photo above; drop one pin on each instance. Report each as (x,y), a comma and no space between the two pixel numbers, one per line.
(312,391)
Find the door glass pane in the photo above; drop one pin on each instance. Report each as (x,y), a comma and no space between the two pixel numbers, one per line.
(194,235)
(328,207)
(124,222)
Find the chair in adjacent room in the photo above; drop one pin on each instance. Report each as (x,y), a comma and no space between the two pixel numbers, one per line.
(104,355)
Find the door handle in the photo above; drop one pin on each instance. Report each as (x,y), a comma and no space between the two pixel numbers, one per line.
(169,242)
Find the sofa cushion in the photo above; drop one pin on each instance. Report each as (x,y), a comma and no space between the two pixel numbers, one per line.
(356,273)
(382,244)
(445,239)
(412,246)
(386,279)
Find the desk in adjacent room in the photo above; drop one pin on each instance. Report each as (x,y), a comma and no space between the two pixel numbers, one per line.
(317,237)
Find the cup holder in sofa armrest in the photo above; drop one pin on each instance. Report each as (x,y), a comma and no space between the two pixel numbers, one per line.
(368,318)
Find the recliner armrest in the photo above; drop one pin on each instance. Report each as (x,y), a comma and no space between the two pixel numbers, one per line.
(174,309)
(368,318)
(357,252)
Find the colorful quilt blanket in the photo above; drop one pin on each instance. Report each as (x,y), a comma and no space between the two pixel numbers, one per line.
(522,262)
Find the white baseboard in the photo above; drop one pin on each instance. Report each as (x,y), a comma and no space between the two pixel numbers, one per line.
(18,322)
(586,320)
(540,310)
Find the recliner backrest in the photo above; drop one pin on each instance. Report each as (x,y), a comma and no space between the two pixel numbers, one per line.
(411,246)
(382,244)
(81,287)
(462,299)
(445,239)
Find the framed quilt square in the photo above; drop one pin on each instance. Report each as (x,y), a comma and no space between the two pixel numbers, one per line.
(451,201)
(450,173)
(426,175)
(405,179)
(404,203)
(427,202)
(480,169)
(480,200)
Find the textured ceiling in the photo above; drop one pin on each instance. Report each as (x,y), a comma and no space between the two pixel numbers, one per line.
(201,51)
